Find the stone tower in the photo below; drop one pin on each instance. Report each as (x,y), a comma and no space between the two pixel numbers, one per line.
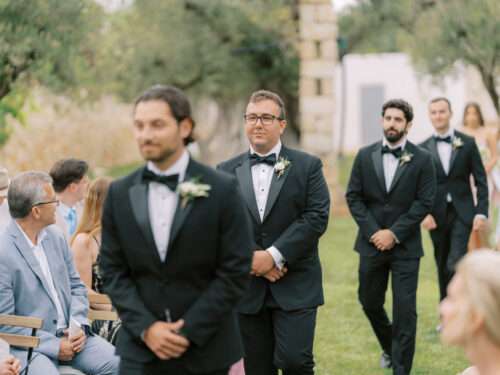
(318,57)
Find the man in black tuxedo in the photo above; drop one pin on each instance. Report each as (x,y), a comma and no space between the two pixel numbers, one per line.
(391,189)
(176,250)
(457,159)
(287,198)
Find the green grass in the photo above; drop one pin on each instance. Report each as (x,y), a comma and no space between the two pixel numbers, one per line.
(345,343)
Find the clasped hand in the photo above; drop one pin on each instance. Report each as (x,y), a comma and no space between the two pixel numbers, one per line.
(69,347)
(165,341)
(263,265)
(383,240)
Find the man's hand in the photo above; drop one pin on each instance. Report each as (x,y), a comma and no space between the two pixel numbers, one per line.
(10,366)
(78,341)
(479,224)
(262,262)
(275,274)
(383,240)
(164,340)
(429,223)
(66,352)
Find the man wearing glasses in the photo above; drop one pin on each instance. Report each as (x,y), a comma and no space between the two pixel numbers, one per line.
(287,198)
(38,278)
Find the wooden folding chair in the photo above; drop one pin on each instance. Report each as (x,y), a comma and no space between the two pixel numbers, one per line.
(24,341)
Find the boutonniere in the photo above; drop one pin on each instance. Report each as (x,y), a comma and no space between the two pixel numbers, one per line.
(281,165)
(405,157)
(457,143)
(189,190)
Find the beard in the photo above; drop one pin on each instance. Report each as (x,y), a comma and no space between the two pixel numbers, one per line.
(393,135)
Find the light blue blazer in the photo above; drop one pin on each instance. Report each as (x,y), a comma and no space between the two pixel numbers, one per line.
(24,290)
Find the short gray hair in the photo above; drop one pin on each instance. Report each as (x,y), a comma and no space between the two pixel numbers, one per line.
(25,190)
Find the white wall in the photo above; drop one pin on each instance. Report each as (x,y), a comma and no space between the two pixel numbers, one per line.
(400,80)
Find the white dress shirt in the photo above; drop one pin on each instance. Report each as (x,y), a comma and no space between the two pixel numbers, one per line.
(40,256)
(391,162)
(444,150)
(163,202)
(262,175)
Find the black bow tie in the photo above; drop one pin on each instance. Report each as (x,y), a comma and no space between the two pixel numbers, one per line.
(394,151)
(256,159)
(444,139)
(171,181)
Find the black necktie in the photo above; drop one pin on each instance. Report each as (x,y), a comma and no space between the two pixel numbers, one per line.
(444,139)
(256,159)
(394,151)
(171,181)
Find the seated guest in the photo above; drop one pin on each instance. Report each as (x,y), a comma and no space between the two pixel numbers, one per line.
(10,366)
(4,207)
(70,182)
(85,244)
(471,311)
(38,278)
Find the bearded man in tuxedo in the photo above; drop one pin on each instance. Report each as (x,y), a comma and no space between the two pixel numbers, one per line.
(391,189)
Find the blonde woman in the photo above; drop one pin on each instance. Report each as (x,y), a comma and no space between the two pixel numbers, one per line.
(85,244)
(471,311)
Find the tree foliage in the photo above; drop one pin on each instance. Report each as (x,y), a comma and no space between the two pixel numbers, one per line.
(437,34)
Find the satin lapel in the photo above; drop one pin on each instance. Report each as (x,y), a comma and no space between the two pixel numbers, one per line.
(435,154)
(399,172)
(27,253)
(454,152)
(379,166)
(138,195)
(276,184)
(181,213)
(244,176)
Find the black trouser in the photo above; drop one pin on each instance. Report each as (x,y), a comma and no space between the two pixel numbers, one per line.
(397,338)
(128,367)
(277,339)
(450,242)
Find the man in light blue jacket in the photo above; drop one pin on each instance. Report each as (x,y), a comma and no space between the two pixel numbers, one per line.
(38,278)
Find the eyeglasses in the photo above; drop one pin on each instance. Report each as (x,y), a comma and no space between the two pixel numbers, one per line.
(56,201)
(265,119)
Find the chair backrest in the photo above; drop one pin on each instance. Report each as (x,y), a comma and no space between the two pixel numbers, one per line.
(95,314)
(25,341)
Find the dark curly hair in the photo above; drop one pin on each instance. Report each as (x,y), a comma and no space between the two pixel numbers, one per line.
(401,105)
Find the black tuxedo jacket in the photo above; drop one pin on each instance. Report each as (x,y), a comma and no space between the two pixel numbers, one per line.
(465,162)
(401,209)
(295,217)
(205,273)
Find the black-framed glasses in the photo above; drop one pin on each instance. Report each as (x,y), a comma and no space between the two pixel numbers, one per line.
(56,201)
(265,119)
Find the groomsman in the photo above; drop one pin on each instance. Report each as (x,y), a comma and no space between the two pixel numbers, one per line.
(176,250)
(455,213)
(288,202)
(391,189)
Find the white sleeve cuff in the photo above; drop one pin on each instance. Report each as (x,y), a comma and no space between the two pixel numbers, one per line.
(480,216)
(279,261)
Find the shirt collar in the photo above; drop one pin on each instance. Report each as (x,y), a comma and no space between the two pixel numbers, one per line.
(41,236)
(179,167)
(64,209)
(401,143)
(275,150)
(449,133)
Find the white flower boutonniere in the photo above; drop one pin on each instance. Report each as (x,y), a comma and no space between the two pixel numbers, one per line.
(405,157)
(281,165)
(189,190)
(457,143)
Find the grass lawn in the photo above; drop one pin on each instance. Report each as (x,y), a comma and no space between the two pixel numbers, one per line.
(345,343)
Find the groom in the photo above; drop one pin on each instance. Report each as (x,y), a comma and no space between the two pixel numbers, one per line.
(176,250)
(391,189)
(287,198)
